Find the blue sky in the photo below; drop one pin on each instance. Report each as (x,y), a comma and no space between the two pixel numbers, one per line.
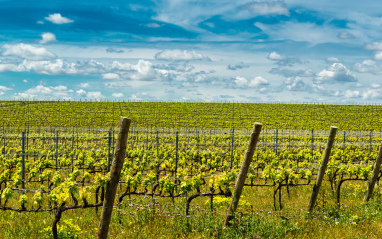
(179,50)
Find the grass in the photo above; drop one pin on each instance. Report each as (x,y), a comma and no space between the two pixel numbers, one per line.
(145,217)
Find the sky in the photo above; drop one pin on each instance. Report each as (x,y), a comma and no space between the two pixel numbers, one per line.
(292,51)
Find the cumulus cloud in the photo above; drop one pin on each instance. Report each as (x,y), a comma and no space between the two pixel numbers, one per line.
(291,73)
(3,88)
(143,70)
(56,18)
(240,65)
(57,67)
(117,95)
(274,56)
(336,73)
(94,95)
(378,56)
(176,66)
(284,60)
(242,82)
(81,92)
(200,76)
(318,88)
(84,85)
(27,51)
(110,76)
(295,84)
(179,55)
(48,37)
(351,94)
(372,94)
(368,66)
(377,46)
(45,92)
(257,8)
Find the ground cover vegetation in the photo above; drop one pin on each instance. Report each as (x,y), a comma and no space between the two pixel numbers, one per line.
(177,181)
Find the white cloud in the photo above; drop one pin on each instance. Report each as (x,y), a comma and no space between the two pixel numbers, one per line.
(117,95)
(368,66)
(27,51)
(40,22)
(96,95)
(242,82)
(300,32)
(176,67)
(178,55)
(291,73)
(351,94)
(56,18)
(48,37)
(3,88)
(110,76)
(84,85)
(378,56)
(258,81)
(25,81)
(374,46)
(372,94)
(81,92)
(318,88)
(143,70)
(45,92)
(332,59)
(336,73)
(57,67)
(283,60)
(257,8)
(295,84)
(274,56)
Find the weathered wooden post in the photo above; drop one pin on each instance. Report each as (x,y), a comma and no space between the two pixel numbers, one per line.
(374,176)
(112,183)
(243,172)
(324,164)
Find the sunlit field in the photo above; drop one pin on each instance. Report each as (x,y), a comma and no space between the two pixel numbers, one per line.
(180,169)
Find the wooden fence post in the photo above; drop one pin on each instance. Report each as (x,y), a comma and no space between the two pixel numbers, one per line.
(116,168)
(324,164)
(374,176)
(243,172)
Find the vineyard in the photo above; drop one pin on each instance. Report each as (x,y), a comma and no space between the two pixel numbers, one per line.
(182,161)
(179,115)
